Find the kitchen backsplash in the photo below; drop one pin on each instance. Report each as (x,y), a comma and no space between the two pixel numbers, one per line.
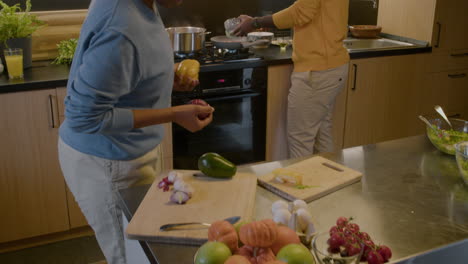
(212,13)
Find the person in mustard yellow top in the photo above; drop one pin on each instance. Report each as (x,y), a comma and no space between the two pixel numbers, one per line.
(320,68)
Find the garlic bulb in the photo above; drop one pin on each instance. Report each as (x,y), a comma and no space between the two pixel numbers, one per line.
(180,185)
(173,176)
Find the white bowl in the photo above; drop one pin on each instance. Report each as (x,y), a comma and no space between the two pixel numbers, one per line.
(254,36)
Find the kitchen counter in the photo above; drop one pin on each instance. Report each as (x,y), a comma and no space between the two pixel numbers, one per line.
(410,198)
(44,75)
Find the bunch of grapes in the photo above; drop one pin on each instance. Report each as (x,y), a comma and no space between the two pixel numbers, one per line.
(347,239)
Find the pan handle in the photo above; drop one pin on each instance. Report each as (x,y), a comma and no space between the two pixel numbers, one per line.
(206,33)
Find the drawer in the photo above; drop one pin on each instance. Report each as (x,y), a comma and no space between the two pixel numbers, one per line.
(454,60)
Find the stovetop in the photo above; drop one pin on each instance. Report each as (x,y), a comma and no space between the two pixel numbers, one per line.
(214,55)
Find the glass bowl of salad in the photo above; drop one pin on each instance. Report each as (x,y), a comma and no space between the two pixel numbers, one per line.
(462,159)
(443,137)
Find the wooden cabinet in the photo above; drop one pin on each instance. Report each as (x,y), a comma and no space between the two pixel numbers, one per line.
(33,198)
(448,89)
(383,99)
(444,24)
(279,82)
(76,217)
(450,26)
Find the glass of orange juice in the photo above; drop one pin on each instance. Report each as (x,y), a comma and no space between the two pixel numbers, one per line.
(14,63)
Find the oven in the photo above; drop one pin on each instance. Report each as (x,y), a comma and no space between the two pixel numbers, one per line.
(238,129)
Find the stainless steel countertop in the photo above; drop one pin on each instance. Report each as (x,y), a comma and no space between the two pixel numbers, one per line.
(411,199)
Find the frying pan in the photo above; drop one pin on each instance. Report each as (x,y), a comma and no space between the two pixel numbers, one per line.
(226,42)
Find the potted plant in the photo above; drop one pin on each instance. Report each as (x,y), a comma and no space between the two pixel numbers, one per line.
(16,28)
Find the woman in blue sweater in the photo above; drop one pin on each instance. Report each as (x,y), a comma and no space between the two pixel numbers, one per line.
(118,97)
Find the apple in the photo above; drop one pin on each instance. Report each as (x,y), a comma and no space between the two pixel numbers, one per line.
(212,253)
(200,102)
(295,254)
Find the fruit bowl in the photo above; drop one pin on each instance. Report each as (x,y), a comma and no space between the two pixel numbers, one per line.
(443,137)
(462,159)
(322,253)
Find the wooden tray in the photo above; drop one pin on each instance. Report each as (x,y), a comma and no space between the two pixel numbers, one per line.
(213,199)
(323,175)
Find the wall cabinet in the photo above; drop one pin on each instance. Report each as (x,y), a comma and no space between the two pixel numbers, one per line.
(33,197)
(444,24)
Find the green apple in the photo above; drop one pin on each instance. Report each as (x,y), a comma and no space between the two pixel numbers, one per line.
(295,254)
(212,253)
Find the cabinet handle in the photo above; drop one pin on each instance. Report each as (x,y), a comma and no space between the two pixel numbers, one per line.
(454,76)
(439,28)
(355,76)
(459,54)
(51,102)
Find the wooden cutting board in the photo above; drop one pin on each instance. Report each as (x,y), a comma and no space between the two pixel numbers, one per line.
(322,175)
(213,199)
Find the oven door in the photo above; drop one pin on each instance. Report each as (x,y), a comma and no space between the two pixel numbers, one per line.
(236,133)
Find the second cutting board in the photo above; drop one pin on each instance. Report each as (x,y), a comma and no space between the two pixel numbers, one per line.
(213,199)
(320,177)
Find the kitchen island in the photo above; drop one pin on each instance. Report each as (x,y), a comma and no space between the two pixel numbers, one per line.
(411,198)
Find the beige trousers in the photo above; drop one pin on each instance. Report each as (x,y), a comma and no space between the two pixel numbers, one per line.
(95,182)
(311,101)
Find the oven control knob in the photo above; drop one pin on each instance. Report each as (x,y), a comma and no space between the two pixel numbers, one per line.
(248,81)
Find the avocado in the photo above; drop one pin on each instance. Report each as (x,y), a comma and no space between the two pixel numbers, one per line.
(214,165)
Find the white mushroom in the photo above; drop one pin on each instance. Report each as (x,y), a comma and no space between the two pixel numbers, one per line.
(280,204)
(297,204)
(282,216)
(304,218)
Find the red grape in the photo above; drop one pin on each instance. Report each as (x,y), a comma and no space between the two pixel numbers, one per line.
(373,257)
(333,230)
(341,221)
(364,236)
(351,239)
(335,241)
(353,249)
(333,250)
(353,227)
(385,252)
(347,232)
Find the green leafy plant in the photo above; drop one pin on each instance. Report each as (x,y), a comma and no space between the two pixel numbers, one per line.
(66,50)
(17,23)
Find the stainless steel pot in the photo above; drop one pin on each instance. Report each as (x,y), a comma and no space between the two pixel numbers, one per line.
(187,39)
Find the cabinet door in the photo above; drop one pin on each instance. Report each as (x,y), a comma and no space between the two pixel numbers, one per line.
(77,219)
(32,189)
(449,90)
(450,25)
(383,99)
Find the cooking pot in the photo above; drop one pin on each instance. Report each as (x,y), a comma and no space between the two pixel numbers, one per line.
(187,39)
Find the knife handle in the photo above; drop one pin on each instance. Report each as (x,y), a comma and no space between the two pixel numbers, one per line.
(171,226)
